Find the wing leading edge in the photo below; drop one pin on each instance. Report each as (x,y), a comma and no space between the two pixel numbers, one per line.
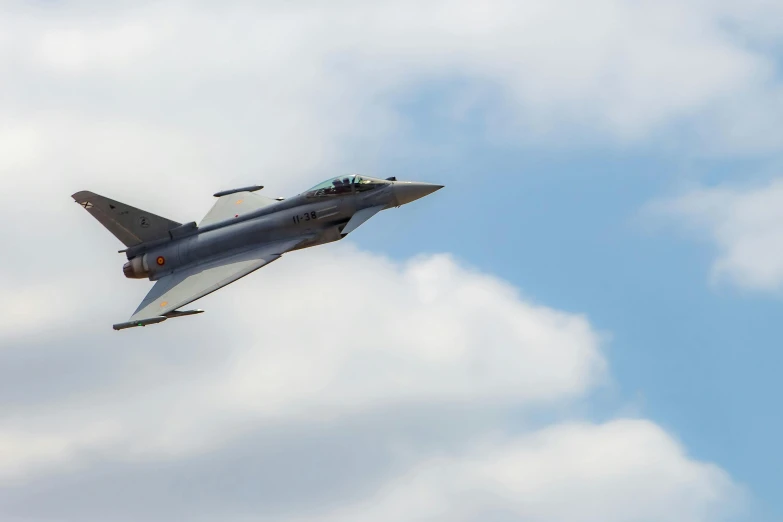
(189,284)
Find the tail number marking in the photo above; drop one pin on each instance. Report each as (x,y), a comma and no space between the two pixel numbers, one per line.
(307,216)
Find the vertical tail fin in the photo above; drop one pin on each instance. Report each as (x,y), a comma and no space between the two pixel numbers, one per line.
(130,225)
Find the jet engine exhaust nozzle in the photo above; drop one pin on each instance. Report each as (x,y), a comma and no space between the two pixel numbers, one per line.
(136,268)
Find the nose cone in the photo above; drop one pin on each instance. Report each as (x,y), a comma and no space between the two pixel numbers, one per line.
(407,191)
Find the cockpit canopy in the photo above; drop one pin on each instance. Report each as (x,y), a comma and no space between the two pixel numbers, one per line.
(345,185)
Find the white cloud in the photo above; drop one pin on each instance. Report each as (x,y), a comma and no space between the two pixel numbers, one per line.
(142,89)
(313,340)
(621,471)
(744,224)
(332,332)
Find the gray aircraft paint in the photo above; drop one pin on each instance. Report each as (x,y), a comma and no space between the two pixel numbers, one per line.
(243,232)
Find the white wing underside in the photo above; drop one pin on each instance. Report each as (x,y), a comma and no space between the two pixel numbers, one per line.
(233,205)
(189,284)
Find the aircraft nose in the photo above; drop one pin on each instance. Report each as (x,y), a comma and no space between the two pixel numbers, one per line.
(407,191)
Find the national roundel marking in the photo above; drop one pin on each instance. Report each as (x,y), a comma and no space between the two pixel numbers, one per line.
(161,260)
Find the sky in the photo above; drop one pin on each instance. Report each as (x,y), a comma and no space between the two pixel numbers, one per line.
(582,325)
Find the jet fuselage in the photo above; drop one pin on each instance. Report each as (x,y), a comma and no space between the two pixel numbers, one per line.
(322,218)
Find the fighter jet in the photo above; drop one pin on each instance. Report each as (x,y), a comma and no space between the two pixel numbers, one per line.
(241,233)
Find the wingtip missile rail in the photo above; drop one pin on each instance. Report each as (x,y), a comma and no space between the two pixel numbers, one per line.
(156,320)
(252,188)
